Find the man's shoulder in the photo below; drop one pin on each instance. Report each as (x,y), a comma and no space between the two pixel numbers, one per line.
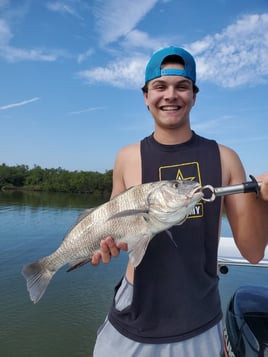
(129,149)
(226,150)
(128,165)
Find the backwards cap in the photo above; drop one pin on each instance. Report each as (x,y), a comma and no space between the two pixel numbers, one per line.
(153,68)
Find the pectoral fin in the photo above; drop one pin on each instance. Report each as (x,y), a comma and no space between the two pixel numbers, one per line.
(136,251)
(171,237)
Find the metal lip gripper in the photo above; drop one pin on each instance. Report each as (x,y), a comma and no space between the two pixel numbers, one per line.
(246,187)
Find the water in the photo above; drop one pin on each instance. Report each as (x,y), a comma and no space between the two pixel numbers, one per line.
(65,321)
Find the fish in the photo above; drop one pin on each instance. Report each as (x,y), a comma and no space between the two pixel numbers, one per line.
(134,217)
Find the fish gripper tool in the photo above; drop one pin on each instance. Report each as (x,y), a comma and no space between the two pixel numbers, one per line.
(249,186)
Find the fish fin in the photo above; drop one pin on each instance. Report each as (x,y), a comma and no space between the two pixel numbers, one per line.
(121,193)
(84,214)
(138,249)
(171,237)
(130,212)
(78,264)
(37,278)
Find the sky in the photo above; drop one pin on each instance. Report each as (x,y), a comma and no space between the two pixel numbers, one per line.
(71,73)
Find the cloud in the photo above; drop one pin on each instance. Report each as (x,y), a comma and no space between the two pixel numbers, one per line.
(141,40)
(14,54)
(236,56)
(93,109)
(63,7)
(19,104)
(123,73)
(5,33)
(116,18)
(83,56)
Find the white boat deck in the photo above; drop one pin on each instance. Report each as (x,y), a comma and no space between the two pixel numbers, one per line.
(228,254)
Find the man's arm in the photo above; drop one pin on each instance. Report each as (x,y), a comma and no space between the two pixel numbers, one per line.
(247,214)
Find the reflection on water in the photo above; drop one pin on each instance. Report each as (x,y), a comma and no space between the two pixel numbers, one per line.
(48,199)
(65,321)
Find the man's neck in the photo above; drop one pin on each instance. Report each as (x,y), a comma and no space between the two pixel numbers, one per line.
(172,136)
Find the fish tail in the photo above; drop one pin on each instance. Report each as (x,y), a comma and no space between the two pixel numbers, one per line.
(37,277)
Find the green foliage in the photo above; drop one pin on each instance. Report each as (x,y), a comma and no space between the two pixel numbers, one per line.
(55,180)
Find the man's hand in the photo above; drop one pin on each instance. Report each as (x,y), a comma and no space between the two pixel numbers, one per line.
(264,186)
(108,249)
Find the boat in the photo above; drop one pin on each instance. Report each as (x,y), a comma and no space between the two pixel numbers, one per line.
(246,318)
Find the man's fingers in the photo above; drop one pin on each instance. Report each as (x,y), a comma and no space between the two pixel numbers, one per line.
(96,258)
(108,249)
(105,252)
(122,246)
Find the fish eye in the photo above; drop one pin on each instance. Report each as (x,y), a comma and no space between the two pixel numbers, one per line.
(176,185)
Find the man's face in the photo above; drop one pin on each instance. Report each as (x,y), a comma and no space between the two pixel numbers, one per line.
(170,99)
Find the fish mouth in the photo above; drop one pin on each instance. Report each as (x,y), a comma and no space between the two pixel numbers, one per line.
(198,190)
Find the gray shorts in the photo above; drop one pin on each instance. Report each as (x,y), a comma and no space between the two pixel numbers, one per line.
(111,343)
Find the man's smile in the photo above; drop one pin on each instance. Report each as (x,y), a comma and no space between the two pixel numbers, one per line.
(170,108)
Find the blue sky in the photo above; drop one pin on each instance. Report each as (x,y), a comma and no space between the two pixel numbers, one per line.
(71,72)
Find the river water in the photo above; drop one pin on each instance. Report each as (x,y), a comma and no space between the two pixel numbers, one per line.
(65,321)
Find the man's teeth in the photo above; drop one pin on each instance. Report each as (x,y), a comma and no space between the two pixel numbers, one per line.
(170,108)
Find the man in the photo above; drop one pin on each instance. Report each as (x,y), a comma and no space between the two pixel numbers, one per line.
(170,305)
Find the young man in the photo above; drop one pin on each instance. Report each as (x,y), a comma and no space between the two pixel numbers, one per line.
(170,305)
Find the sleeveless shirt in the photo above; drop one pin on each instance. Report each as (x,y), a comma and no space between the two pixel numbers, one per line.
(175,289)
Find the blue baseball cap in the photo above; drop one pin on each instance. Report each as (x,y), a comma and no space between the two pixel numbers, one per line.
(153,69)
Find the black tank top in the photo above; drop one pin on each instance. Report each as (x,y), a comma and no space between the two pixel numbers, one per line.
(175,295)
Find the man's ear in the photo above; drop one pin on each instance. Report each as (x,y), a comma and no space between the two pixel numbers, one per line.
(145,97)
(194,99)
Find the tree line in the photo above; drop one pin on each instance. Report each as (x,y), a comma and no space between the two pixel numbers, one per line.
(21,177)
